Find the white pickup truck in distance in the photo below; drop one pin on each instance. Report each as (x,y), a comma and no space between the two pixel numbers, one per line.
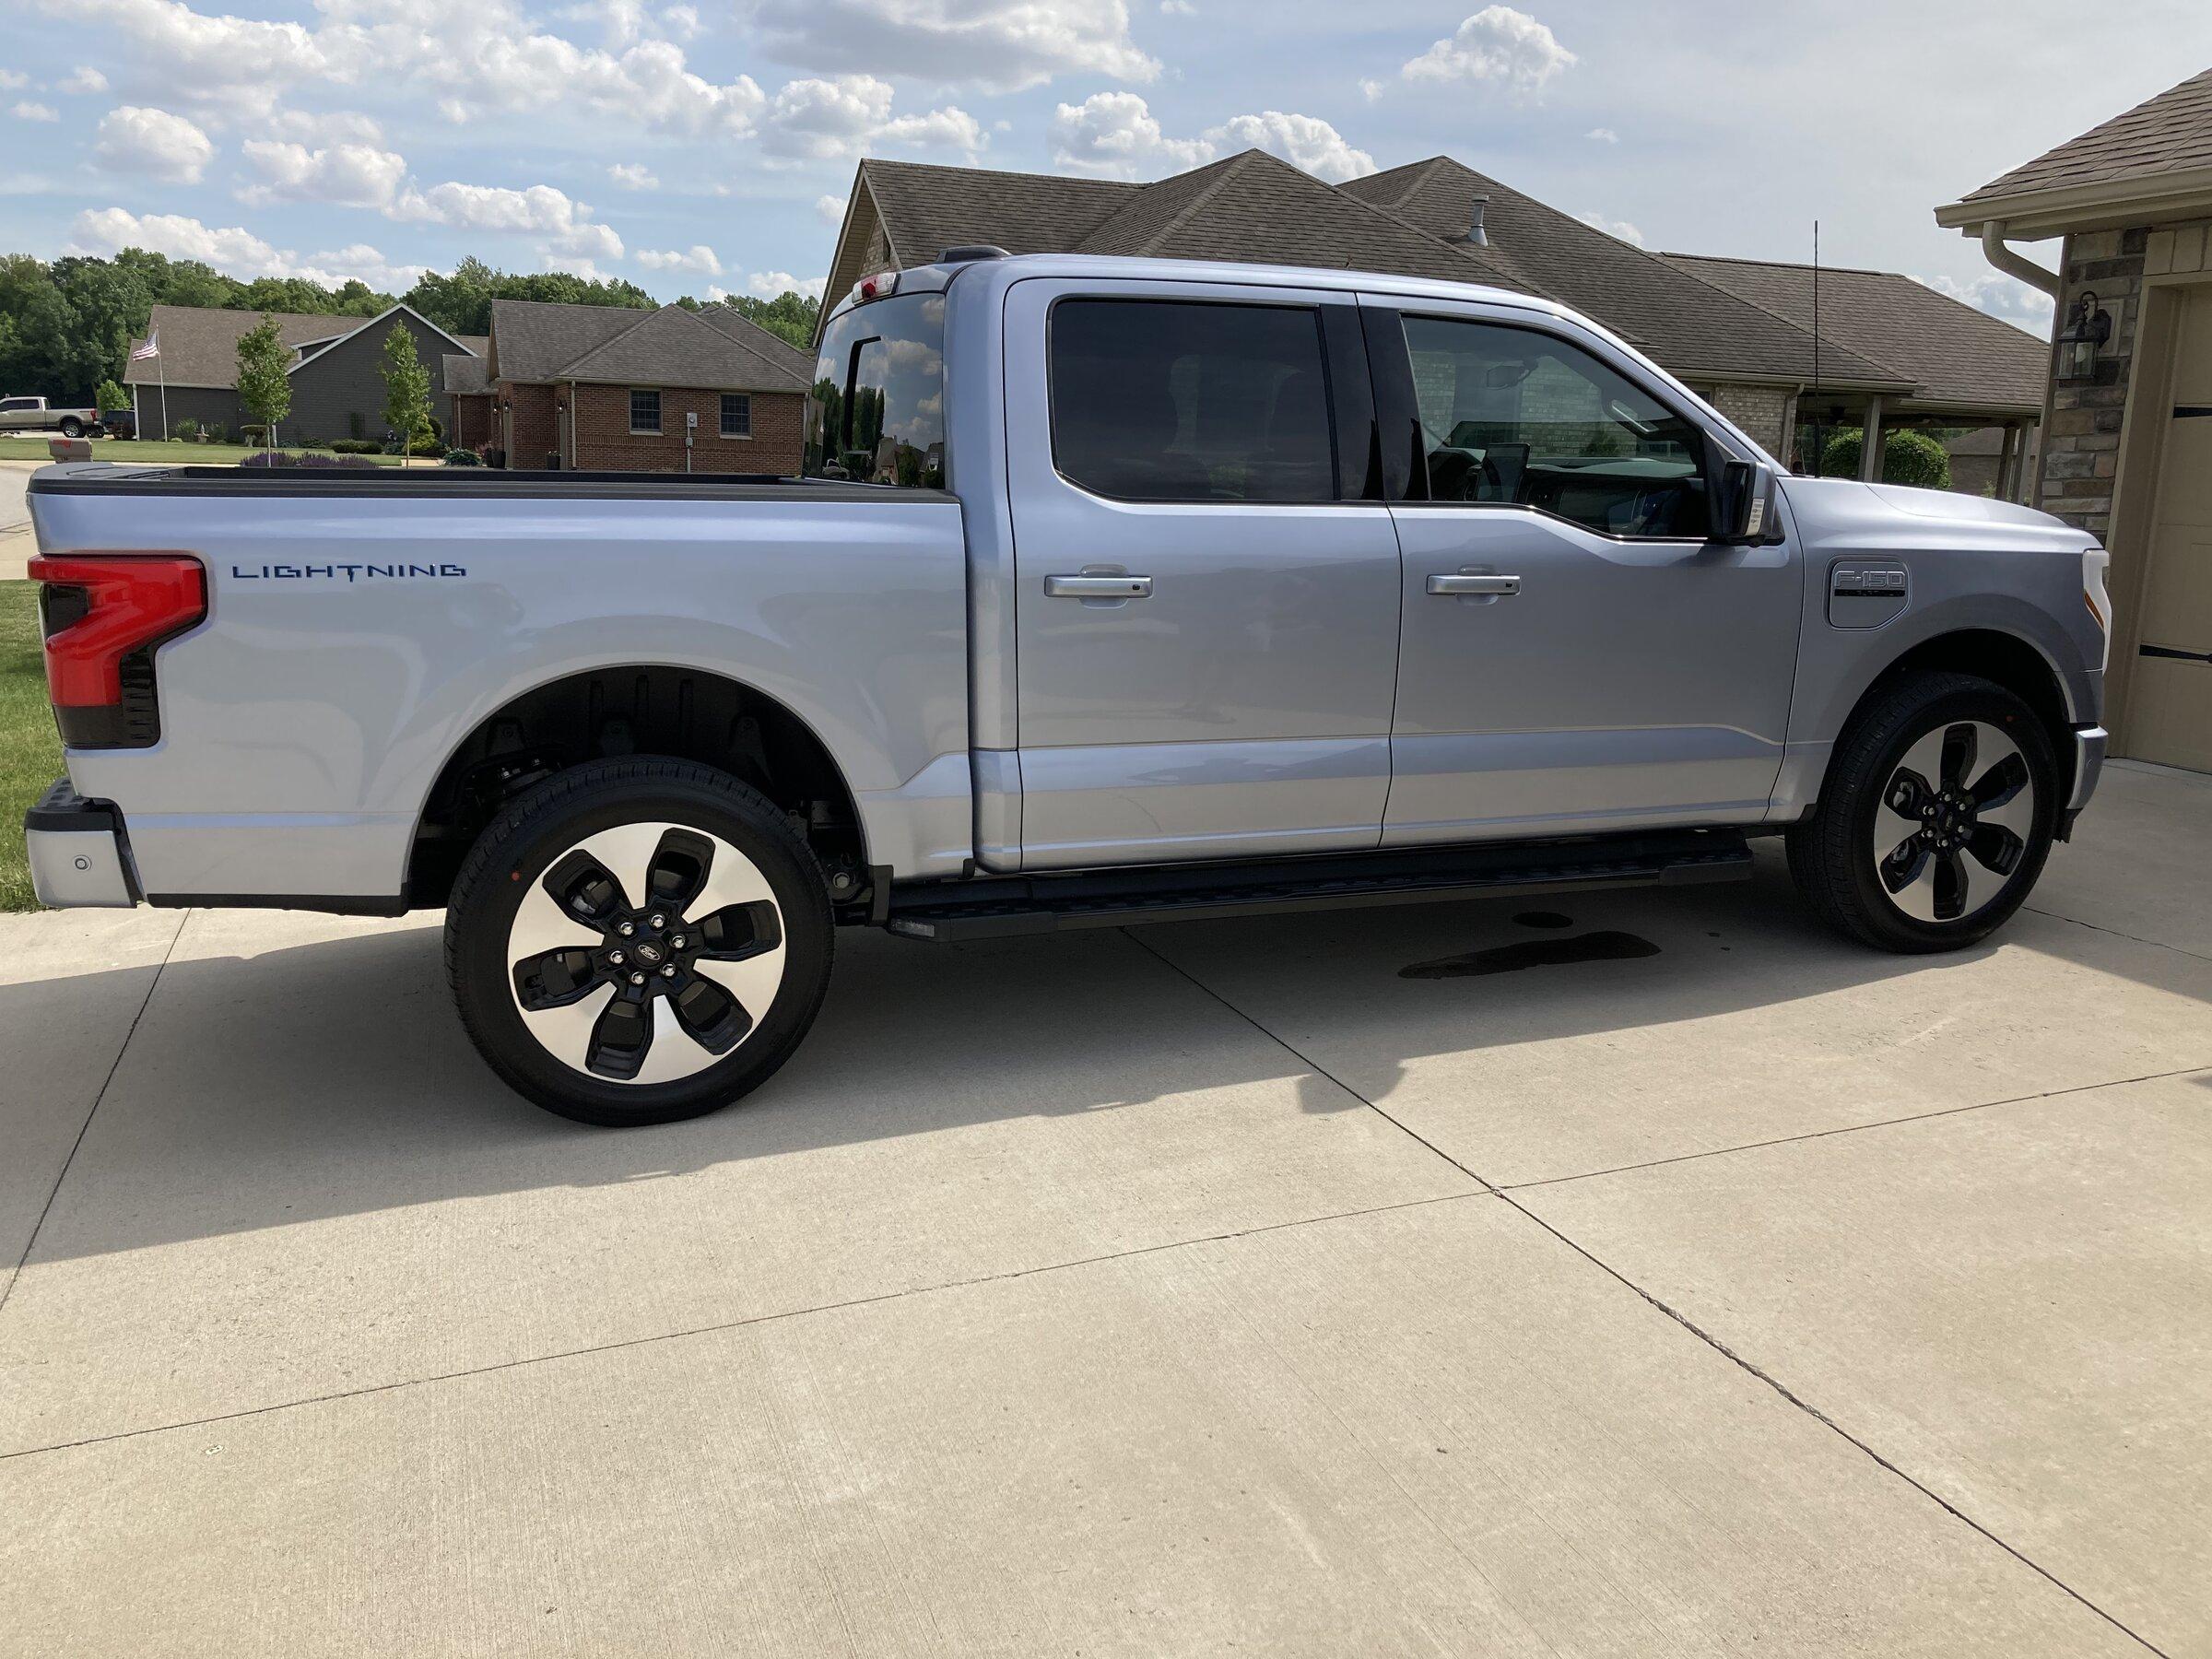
(35,415)
(1115,592)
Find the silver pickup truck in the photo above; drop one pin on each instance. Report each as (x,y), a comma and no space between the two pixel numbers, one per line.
(1115,592)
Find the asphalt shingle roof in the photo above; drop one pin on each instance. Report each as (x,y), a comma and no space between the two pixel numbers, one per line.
(2171,133)
(1411,220)
(1679,319)
(1255,207)
(1955,355)
(534,341)
(673,347)
(926,208)
(199,344)
(714,347)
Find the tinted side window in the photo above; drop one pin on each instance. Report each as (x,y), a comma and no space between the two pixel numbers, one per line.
(1156,400)
(876,414)
(1516,416)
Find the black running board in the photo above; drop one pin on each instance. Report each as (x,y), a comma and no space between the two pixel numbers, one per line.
(993,907)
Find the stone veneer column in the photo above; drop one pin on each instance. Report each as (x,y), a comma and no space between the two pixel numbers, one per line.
(2081,442)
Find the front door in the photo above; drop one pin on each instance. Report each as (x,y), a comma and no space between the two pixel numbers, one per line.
(1207,630)
(2169,692)
(1577,656)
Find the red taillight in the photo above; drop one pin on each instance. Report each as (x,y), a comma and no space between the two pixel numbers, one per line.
(100,611)
(881,286)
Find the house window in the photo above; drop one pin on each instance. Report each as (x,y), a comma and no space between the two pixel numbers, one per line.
(645,414)
(737,415)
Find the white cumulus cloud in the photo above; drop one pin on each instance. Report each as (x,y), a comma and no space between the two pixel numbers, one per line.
(1618,228)
(83,78)
(234,250)
(828,119)
(1498,44)
(567,230)
(1603,135)
(2000,296)
(346,175)
(698,257)
(632,175)
(27,110)
(829,209)
(151,144)
(768,284)
(1116,134)
(998,47)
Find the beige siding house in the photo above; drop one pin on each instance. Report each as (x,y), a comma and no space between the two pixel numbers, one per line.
(2128,389)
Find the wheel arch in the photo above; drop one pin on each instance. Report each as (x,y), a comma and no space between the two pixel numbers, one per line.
(2004,658)
(669,709)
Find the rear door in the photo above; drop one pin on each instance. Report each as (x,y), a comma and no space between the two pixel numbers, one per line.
(1206,612)
(1577,654)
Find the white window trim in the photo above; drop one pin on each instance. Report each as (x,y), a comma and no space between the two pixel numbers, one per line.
(660,414)
(721,426)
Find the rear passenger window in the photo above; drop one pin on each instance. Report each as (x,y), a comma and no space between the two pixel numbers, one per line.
(1158,400)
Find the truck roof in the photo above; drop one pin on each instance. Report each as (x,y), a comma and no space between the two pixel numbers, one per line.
(1014,267)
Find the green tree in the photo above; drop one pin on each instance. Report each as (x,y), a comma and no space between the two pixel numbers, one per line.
(790,316)
(111,398)
(1908,457)
(262,386)
(406,389)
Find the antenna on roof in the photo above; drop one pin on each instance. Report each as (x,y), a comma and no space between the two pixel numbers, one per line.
(1815,307)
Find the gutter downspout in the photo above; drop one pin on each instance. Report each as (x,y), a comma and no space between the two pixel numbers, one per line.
(571,455)
(1998,253)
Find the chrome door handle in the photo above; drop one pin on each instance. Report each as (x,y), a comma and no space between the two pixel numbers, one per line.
(1097,587)
(1466,583)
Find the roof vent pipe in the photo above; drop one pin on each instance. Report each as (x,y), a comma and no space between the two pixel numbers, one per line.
(1995,249)
(1476,236)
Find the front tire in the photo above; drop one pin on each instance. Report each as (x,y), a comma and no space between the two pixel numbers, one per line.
(638,941)
(1935,818)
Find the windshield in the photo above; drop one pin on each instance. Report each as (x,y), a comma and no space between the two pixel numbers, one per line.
(876,413)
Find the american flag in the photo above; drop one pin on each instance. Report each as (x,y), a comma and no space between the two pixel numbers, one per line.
(152,348)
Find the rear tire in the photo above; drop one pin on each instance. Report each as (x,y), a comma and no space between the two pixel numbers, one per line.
(638,941)
(1935,818)
(73,427)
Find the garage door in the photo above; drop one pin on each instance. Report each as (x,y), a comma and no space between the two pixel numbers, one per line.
(2170,700)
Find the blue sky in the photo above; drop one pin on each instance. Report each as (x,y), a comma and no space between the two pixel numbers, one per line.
(708,145)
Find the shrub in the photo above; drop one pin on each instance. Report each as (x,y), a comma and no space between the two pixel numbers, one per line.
(187,430)
(426,446)
(285,458)
(463,457)
(214,434)
(354,446)
(112,398)
(1908,457)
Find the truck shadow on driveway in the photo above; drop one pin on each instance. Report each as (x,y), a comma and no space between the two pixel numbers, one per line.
(332,1078)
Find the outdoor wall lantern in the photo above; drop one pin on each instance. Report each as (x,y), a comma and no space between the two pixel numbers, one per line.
(2088,328)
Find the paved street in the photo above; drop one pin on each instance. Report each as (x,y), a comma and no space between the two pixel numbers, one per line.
(1215,1288)
(16,547)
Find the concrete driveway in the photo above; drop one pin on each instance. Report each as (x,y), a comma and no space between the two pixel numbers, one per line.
(1209,1289)
(16,547)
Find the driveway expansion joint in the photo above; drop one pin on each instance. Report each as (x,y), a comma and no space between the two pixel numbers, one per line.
(8,1289)
(1505,1196)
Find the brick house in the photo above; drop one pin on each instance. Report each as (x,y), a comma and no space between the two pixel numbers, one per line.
(2128,384)
(1889,351)
(608,389)
(336,369)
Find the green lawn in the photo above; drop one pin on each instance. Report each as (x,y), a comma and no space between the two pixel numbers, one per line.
(30,752)
(151,448)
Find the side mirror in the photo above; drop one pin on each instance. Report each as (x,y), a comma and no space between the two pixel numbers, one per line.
(1742,494)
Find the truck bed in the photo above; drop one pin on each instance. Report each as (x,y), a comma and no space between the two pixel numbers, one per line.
(451,483)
